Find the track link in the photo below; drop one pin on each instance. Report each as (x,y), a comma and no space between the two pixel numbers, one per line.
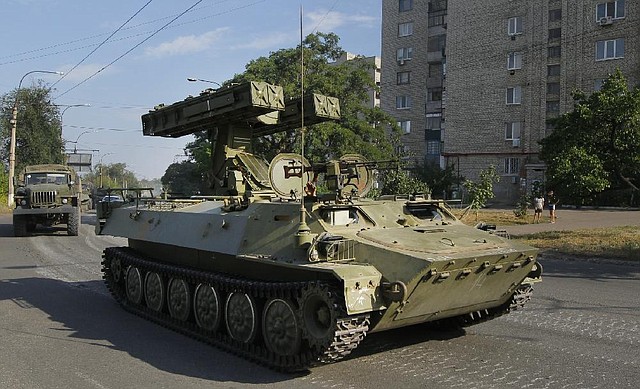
(348,333)
(521,295)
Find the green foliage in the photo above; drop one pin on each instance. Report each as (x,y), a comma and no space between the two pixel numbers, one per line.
(38,133)
(114,175)
(360,130)
(578,174)
(4,186)
(480,192)
(523,205)
(441,181)
(398,181)
(597,145)
(199,153)
(183,178)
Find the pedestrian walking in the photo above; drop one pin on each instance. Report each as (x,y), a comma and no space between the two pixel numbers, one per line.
(552,201)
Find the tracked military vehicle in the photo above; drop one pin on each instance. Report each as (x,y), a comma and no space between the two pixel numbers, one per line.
(48,195)
(269,269)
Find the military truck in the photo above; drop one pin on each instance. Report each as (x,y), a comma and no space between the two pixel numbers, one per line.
(271,269)
(48,195)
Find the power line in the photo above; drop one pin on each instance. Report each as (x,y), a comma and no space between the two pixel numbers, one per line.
(115,40)
(325,16)
(128,51)
(101,44)
(103,34)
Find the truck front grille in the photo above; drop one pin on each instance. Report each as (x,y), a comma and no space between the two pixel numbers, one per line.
(45,198)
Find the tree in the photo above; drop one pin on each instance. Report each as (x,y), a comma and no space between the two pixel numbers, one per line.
(439,180)
(480,192)
(114,175)
(361,129)
(183,178)
(398,181)
(38,133)
(597,145)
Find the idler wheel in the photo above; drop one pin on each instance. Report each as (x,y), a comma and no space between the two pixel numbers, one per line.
(280,327)
(240,312)
(206,307)
(319,316)
(154,293)
(179,299)
(134,285)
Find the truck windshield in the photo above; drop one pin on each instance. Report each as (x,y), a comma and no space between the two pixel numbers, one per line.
(46,178)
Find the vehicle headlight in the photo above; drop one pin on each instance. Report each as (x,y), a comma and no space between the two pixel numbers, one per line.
(64,201)
(23,202)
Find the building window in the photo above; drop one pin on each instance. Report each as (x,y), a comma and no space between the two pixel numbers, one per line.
(554,52)
(553,107)
(403,78)
(514,61)
(403,102)
(404,54)
(555,34)
(597,84)
(436,19)
(511,166)
(611,9)
(515,26)
(436,43)
(611,49)
(553,70)
(436,70)
(434,94)
(512,130)
(553,88)
(433,147)
(514,95)
(434,122)
(405,126)
(437,5)
(405,29)
(555,15)
(405,5)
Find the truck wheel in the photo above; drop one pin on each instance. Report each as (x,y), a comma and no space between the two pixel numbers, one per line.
(73,222)
(20,225)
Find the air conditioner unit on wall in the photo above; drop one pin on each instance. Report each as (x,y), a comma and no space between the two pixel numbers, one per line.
(401,62)
(605,21)
(516,143)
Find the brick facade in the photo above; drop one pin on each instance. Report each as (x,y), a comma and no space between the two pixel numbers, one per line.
(555,41)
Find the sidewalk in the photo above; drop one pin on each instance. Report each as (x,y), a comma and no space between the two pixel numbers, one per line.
(573,219)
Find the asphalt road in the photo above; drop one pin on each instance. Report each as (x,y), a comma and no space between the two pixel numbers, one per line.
(59,328)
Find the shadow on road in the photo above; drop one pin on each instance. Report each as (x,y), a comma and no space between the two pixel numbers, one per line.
(6,226)
(100,322)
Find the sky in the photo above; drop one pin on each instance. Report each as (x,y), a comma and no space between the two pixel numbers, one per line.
(123,57)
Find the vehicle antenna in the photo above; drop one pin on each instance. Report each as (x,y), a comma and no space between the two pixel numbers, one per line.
(303,234)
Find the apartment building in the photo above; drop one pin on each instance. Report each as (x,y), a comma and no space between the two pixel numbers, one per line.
(413,73)
(374,72)
(510,66)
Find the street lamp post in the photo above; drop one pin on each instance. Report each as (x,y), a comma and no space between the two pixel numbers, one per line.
(104,155)
(66,107)
(75,143)
(14,126)
(193,79)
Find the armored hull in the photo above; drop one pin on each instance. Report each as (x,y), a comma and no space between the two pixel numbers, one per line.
(373,265)
(271,270)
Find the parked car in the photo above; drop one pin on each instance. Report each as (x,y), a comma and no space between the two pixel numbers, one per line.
(112,199)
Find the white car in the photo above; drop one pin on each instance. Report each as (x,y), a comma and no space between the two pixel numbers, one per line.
(112,199)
